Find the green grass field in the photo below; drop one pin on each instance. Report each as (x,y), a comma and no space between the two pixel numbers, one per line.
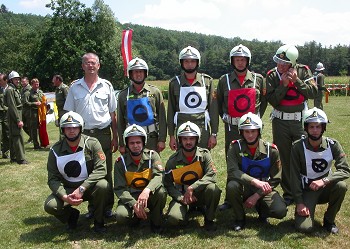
(24,224)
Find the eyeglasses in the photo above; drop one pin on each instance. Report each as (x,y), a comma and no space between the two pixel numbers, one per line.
(93,63)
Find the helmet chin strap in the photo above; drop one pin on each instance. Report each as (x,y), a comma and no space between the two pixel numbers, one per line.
(189,70)
(138,82)
(136,153)
(72,139)
(313,138)
(252,143)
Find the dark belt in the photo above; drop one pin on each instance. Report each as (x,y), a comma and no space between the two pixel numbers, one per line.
(97,131)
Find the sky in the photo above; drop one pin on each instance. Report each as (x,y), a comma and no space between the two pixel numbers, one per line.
(290,21)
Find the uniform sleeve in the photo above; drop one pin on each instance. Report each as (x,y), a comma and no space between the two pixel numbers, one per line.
(69,104)
(25,99)
(209,173)
(157,173)
(263,100)
(169,183)
(171,108)
(161,117)
(121,117)
(120,186)
(213,108)
(54,176)
(220,96)
(100,169)
(296,162)
(275,91)
(276,169)
(11,104)
(342,171)
(304,85)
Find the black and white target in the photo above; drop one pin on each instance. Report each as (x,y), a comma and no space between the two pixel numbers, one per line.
(193,100)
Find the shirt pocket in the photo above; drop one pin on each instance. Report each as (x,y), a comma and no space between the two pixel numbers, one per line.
(100,101)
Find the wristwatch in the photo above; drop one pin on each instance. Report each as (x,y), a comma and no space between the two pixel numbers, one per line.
(325,180)
(81,189)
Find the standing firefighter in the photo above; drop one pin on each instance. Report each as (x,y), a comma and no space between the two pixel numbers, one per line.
(289,86)
(192,98)
(319,78)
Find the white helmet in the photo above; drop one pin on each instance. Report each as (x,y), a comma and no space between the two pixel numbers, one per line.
(286,54)
(134,130)
(241,50)
(315,115)
(319,67)
(189,129)
(13,74)
(137,64)
(72,119)
(190,53)
(250,121)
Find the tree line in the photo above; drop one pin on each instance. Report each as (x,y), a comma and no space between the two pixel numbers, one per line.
(41,46)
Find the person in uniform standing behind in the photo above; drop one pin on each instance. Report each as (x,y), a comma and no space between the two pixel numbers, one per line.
(289,86)
(61,93)
(34,101)
(190,179)
(94,99)
(314,181)
(238,93)
(254,171)
(14,117)
(192,97)
(25,92)
(319,78)
(76,172)
(142,104)
(4,126)
(138,175)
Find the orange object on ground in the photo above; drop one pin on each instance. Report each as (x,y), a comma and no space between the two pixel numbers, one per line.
(42,110)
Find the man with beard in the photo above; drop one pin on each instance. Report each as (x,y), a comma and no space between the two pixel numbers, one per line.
(76,172)
(142,104)
(190,179)
(314,181)
(138,175)
(239,92)
(192,97)
(289,86)
(254,172)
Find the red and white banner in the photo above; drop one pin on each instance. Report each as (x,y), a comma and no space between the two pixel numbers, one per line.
(126,48)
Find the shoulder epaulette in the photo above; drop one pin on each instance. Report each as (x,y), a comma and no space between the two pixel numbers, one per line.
(274,146)
(234,141)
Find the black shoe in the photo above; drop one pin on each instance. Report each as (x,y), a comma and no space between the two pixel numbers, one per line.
(157,229)
(330,227)
(109,214)
(263,220)
(288,201)
(89,215)
(73,219)
(238,225)
(23,162)
(224,206)
(38,148)
(99,227)
(209,225)
(13,161)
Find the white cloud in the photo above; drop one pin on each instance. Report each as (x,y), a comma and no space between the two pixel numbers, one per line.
(32,4)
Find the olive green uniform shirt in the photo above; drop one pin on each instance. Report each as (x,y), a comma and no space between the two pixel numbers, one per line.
(234,163)
(305,85)
(61,93)
(222,91)
(298,164)
(122,190)
(95,163)
(25,98)
(197,118)
(177,160)
(14,104)
(157,103)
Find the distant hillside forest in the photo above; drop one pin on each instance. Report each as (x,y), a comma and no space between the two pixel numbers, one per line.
(38,46)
